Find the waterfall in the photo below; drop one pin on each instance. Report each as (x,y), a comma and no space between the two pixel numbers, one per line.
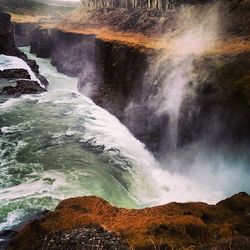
(175,88)
(12,62)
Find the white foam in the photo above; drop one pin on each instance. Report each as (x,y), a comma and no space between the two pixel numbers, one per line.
(56,80)
(12,62)
(47,185)
(14,128)
(13,218)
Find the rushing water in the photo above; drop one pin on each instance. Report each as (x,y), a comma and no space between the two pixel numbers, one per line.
(11,62)
(60,144)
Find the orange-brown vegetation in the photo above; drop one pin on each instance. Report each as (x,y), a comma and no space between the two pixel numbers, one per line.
(231,46)
(18,18)
(174,225)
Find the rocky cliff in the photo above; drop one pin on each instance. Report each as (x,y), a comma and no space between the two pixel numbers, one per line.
(171,226)
(117,75)
(7,41)
(8,47)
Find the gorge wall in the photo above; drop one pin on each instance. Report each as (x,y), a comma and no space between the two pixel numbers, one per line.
(7,42)
(10,53)
(117,77)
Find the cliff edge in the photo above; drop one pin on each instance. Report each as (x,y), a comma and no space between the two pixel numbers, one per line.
(193,225)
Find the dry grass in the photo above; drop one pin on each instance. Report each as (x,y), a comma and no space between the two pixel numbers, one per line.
(228,47)
(17,18)
(174,224)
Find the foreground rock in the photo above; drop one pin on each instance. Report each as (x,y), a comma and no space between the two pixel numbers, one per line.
(225,225)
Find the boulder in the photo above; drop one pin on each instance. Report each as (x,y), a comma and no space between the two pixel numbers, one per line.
(23,87)
(14,74)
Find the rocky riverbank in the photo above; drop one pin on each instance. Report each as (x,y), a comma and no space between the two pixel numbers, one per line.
(16,81)
(172,226)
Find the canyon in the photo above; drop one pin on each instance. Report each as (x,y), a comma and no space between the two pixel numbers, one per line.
(115,72)
(133,76)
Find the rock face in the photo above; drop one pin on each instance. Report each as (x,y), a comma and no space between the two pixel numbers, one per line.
(114,71)
(70,53)
(119,76)
(223,99)
(121,71)
(10,78)
(7,42)
(8,47)
(174,225)
(23,33)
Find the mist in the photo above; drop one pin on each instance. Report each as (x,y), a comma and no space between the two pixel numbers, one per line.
(202,168)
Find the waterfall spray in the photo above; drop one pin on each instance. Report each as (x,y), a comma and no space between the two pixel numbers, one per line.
(174,71)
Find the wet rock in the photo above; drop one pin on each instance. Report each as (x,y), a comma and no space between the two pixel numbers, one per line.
(32,63)
(23,87)
(15,74)
(7,233)
(5,237)
(8,47)
(43,80)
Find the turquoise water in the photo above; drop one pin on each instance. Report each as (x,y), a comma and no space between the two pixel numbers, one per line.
(60,144)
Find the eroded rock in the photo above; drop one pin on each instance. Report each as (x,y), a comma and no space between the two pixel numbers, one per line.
(8,47)
(23,87)
(14,74)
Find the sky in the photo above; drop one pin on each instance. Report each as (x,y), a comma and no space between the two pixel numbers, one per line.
(59,1)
